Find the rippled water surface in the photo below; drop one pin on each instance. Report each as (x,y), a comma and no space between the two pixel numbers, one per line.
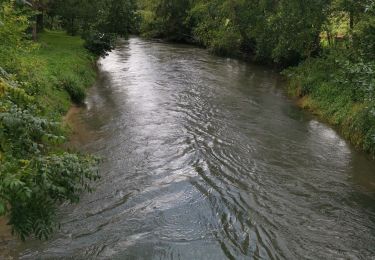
(206,158)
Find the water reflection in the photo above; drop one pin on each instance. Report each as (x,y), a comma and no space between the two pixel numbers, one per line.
(205,158)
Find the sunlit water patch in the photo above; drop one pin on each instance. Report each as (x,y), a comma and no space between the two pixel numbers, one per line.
(205,158)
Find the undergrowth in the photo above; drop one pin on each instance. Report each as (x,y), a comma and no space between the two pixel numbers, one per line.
(340,88)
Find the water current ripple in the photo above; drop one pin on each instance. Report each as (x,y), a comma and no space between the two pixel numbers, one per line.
(206,158)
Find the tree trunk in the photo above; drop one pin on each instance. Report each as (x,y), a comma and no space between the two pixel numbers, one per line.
(34,32)
(52,22)
(329,38)
(35,21)
(40,21)
(351,20)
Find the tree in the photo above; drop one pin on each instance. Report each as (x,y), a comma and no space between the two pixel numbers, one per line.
(167,18)
(354,8)
(121,17)
(35,174)
(12,33)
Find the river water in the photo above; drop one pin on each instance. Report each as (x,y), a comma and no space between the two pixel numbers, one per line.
(206,158)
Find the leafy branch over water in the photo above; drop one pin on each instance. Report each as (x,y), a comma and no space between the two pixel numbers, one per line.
(35,173)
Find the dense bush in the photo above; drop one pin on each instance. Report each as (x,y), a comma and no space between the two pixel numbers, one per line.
(13,25)
(283,32)
(76,92)
(332,41)
(214,31)
(364,38)
(341,88)
(166,19)
(35,174)
(340,85)
(99,43)
(148,26)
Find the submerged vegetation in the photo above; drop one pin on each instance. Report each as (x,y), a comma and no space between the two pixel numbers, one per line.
(328,47)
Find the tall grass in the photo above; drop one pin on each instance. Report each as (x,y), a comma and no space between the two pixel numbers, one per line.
(340,89)
(59,71)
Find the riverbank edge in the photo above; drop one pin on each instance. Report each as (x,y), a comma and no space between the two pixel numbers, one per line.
(57,102)
(294,90)
(345,127)
(75,72)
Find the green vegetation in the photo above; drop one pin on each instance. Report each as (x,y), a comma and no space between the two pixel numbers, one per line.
(339,84)
(61,66)
(331,43)
(284,32)
(37,81)
(41,72)
(339,88)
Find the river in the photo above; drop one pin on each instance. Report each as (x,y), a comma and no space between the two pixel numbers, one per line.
(207,158)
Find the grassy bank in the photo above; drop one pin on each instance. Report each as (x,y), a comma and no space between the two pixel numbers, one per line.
(340,91)
(38,83)
(61,71)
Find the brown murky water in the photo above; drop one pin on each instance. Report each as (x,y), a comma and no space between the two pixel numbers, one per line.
(205,158)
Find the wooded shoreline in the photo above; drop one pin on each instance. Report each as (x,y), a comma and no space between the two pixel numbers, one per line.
(48,51)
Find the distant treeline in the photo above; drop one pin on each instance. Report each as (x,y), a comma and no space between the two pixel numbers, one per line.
(331,41)
(280,31)
(98,22)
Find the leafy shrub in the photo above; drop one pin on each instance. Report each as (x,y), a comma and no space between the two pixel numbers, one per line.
(226,41)
(74,88)
(342,88)
(215,30)
(31,188)
(99,43)
(149,25)
(364,39)
(13,24)
(34,173)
